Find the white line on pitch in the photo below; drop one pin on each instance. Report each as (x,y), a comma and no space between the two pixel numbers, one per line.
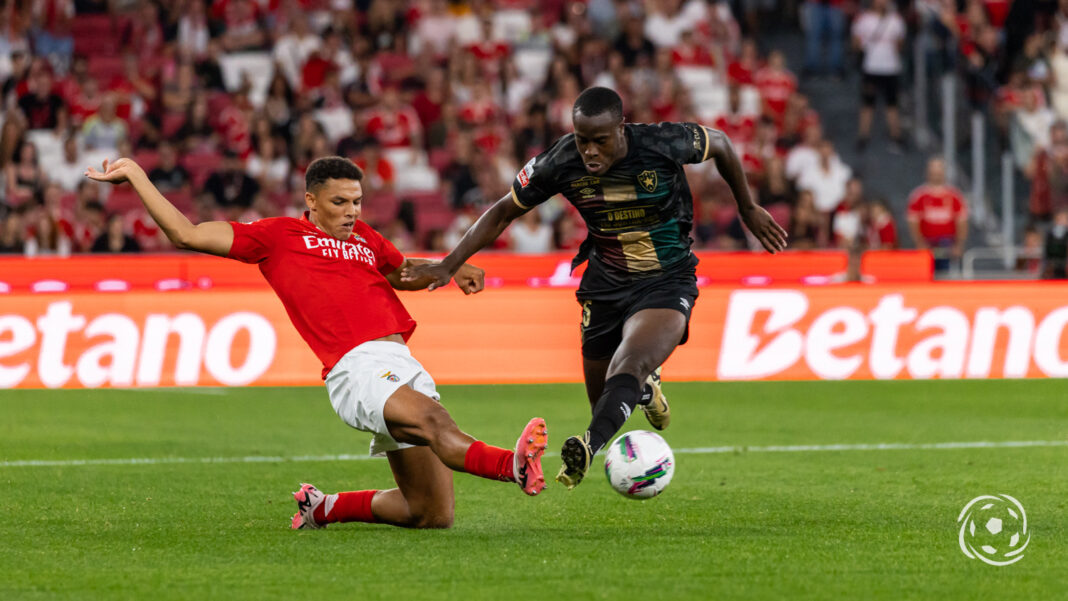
(681,451)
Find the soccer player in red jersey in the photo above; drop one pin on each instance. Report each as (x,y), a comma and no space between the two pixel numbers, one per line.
(336,277)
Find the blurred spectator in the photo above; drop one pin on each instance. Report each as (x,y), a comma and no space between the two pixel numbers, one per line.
(776,85)
(52,36)
(24,176)
(293,49)
(1048,171)
(142,34)
(879,33)
(194,33)
(809,228)
(775,188)
(269,167)
(938,216)
(115,239)
(11,231)
(230,187)
(826,180)
(882,231)
(69,171)
(242,29)
(1029,130)
(824,24)
(394,124)
(90,223)
(632,45)
(1056,250)
(1031,259)
(378,170)
(196,135)
(847,220)
(168,175)
(104,131)
(179,91)
(43,108)
(530,236)
(45,236)
(804,157)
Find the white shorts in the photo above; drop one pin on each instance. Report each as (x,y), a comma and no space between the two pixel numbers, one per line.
(361,382)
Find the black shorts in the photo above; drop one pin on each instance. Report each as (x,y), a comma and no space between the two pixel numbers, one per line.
(605,310)
(874,86)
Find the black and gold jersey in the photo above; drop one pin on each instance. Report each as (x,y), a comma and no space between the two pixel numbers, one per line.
(639,213)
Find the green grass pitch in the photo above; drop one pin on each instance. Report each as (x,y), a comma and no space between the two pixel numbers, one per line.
(817,524)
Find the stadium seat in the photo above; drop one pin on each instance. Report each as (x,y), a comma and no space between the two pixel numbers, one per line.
(172,122)
(105,67)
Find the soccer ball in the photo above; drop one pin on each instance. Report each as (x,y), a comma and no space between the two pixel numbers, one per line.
(639,464)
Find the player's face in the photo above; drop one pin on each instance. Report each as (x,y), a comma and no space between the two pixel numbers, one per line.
(335,206)
(600,141)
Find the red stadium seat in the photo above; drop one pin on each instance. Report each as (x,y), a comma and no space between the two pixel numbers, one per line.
(123,200)
(104,68)
(172,122)
(147,159)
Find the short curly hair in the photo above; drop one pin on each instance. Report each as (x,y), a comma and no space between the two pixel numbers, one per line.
(325,168)
(594,101)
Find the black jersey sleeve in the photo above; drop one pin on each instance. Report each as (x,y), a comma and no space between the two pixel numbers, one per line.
(538,180)
(682,142)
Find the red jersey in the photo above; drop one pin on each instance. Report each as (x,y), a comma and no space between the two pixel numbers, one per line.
(335,292)
(775,87)
(938,208)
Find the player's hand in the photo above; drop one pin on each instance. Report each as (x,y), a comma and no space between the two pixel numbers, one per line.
(437,274)
(470,279)
(115,172)
(763,226)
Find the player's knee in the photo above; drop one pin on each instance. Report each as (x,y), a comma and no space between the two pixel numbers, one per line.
(436,519)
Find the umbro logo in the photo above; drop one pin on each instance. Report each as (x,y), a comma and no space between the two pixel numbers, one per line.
(685,303)
(626,411)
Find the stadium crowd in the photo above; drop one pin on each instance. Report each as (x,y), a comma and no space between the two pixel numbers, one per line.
(441,102)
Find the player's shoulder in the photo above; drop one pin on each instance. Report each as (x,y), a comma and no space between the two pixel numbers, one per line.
(669,138)
(560,151)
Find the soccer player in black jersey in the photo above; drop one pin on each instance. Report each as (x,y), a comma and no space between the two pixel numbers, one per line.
(628,183)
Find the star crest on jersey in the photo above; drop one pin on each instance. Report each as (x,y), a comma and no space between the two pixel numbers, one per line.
(647,179)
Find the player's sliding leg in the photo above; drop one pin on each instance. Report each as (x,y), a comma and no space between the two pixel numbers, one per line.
(649,337)
(423,497)
(414,418)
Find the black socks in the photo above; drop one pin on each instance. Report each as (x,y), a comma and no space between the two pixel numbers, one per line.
(621,394)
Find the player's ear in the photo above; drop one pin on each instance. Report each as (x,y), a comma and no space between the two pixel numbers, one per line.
(309,199)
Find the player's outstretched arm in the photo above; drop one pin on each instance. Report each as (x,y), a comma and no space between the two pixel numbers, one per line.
(469,278)
(487,229)
(212,237)
(760,222)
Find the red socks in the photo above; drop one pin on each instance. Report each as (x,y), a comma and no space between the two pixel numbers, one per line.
(346,507)
(494,463)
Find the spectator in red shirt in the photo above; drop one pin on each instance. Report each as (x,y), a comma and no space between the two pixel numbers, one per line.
(882,231)
(395,124)
(743,69)
(1048,171)
(776,85)
(739,127)
(938,216)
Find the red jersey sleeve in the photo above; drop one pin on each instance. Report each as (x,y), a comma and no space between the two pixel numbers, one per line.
(252,241)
